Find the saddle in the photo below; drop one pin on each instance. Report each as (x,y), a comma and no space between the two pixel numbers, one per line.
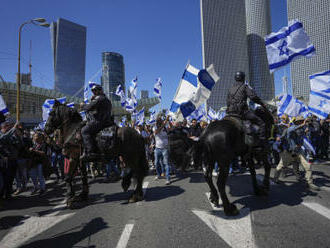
(249,130)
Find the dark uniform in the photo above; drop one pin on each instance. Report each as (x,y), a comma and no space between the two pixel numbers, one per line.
(100,109)
(237,103)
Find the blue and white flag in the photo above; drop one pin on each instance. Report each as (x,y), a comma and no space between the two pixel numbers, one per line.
(152,119)
(132,88)
(158,88)
(130,105)
(221,114)
(308,145)
(48,106)
(290,106)
(319,97)
(194,89)
(140,117)
(87,90)
(70,105)
(198,114)
(212,114)
(120,92)
(3,107)
(288,44)
(83,115)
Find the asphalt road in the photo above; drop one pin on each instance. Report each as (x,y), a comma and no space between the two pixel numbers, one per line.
(177,215)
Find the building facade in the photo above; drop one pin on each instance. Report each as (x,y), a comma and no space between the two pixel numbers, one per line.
(258,25)
(113,73)
(224,44)
(144,94)
(315,17)
(68,42)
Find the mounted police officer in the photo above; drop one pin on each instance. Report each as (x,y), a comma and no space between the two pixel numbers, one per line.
(100,109)
(237,104)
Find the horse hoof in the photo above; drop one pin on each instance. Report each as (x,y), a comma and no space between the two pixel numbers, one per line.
(232,210)
(135,198)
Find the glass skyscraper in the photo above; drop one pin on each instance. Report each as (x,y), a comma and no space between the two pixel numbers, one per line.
(113,73)
(315,17)
(68,41)
(258,24)
(224,44)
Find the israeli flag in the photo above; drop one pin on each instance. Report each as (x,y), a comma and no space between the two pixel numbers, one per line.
(199,114)
(152,119)
(212,114)
(288,44)
(3,107)
(158,88)
(319,97)
(86,90)
(130,105)
(83,115)
(194,89)
(307,145)
(221,114)
(70,105)
(120,92)
(290,106)
(140,117)
(133,88)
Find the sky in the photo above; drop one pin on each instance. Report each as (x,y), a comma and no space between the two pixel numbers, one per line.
(156,38)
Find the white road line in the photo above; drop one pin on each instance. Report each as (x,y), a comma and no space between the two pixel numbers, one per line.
(122,243)
(59,207)
(318,208)
(144,187)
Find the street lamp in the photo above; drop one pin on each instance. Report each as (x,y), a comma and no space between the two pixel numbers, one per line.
(36,21)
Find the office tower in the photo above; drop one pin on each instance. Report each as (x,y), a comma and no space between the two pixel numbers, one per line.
(68,41)
(224,44)
(315,17)
(144,94)
(258,25)
(113,73)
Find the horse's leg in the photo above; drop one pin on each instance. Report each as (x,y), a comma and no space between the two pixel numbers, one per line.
(73,166)
(83,196)
(214,197)
(138,192)
(253,174)
(267,174)
(229,208)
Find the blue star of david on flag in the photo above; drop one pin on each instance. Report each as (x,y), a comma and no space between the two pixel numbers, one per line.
(283,48)
(322,102)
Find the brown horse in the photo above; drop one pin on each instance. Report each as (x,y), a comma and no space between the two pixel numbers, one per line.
(128,144)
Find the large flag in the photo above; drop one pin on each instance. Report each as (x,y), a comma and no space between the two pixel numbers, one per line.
(194,89)
(158,88)
(288,44)
(3,107)
(319,97)
(290,106)
(120,92)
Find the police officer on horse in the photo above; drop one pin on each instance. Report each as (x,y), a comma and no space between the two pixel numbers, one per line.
(237,105)
(100,111)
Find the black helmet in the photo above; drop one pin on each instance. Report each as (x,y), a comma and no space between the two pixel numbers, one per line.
(97,87)
(240,76)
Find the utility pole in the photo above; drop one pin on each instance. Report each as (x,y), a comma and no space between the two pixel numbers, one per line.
(30,64)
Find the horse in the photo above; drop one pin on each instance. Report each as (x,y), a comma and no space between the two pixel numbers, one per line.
(128,145)
(222,141)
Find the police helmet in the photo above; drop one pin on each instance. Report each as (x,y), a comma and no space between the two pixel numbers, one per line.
(240,76)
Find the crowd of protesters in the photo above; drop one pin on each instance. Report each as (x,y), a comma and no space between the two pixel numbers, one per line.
(30,155)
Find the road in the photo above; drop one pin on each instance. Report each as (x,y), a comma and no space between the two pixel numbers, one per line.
(177,215)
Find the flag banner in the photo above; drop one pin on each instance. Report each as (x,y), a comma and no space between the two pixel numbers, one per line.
(152,119)
(290,106)
(288,44)
(198,114)
(194,89)
(139,117)
(212,114)
(319,97)
(120,92)
(158,88)
(83,115)
(308,145)
(3,107)
(133,88)
(87,90)
(70,105)
(130,105)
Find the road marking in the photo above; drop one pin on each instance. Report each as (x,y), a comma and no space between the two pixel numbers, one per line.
(318,208)
(122,243)
(235,231)
(57,208)
(144,187)
(30,228)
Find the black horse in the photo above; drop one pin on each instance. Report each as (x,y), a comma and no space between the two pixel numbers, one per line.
(221,142)
(128,145)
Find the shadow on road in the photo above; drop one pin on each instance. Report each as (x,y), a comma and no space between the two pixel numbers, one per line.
(11,221)
(69,238)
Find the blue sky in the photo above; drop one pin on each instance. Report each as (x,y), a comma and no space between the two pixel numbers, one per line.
(156,38)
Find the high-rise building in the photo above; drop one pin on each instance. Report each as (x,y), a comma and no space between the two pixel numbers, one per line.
(315,17)
(25,78)
(258,25)
(224,44)
(144,94)
(68,41)
(113,73)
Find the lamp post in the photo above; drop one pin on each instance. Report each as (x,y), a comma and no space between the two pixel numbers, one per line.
(39,22)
